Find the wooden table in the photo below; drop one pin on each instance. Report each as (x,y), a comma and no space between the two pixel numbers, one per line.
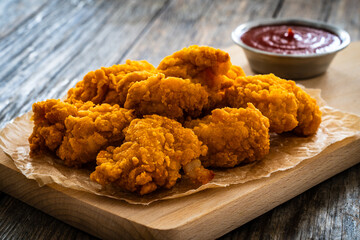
(47,46)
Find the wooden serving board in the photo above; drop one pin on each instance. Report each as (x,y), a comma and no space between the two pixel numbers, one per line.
(213,212)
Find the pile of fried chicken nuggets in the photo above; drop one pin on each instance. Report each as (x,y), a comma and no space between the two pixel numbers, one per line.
(146,127)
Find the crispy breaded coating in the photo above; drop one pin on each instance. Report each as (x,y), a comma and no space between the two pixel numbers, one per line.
(155,150)
(234,72)
(101,85)
(76,133)
(308,112)
(128,118)
(286,105)
(208,66)
(172,97)
(120,84)
(204,65)
(273,100)
(181,144)
(49,117)
(92,130)
(217,97)
(233,136)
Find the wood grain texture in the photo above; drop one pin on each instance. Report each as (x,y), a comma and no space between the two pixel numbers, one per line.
(346,14)
(20,213)
(318,10)
(319,213)
(182,217)
(330,210)
(207,214)
(196,22)
(80,37)
(46,46)
(17,14)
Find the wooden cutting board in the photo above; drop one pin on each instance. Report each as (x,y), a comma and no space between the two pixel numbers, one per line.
(213,212)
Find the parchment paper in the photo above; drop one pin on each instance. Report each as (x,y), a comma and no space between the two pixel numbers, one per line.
(286,151)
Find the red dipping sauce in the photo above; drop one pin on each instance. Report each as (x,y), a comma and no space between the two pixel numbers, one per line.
(291,39)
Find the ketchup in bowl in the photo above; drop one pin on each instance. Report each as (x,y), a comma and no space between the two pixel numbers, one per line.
(291,39)
(290,48)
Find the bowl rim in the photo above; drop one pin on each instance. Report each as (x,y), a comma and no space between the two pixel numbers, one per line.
(242,28)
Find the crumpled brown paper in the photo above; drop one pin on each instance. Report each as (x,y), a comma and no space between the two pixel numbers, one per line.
(286,151)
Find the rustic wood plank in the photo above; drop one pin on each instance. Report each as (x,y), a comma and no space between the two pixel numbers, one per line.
(207,214)
(16,13)
(327,211)
(185,23)
(318,10)
(14,219)
(346,14)
(208,27)
(330,210)
(158,214)
(343,13)
(80,38)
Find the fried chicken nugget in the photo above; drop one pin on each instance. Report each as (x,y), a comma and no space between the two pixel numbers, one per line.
(217,98)
(49,129)
(233,136)
(76,134)
(274,101)
(93,129)
(101,86)
(155,150)
(208,66)
(308,112)
(204,65)
(172,97)
(286,105)
(234,72)
(121,83)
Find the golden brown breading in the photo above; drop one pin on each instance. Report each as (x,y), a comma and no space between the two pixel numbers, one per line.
(234,72)
(171,97)
(204,65)
(273,100)
(121,83)
(100,86)
(92,130)
(49,117)
(286,105)
(308,112)
(208,66)
(233,136)
(217,96)
(180,144)
(152,152)
(76,134)
(155,150)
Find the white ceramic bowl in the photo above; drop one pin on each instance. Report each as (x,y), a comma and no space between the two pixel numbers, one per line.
(289,66)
